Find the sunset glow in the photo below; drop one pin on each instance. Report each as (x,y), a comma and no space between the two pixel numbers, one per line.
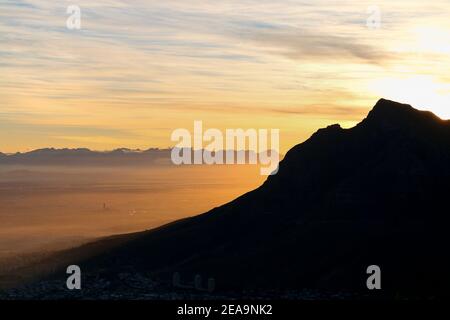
(421,91)
(136,71)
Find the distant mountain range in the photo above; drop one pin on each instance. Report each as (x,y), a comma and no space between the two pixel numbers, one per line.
(83,156)
(87,157)
(345,199)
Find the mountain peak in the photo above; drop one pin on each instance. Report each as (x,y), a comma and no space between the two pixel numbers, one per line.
(386,103)
(387,113)
(389,108)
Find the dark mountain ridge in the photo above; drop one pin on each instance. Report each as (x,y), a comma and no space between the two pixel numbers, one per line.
(345,199)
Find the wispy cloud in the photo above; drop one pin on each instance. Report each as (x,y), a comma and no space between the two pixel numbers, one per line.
(143,64)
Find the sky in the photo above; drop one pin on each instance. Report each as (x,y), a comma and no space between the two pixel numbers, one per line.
(137,70)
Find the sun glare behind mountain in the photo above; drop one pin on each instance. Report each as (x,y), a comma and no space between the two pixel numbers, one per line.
(422,92)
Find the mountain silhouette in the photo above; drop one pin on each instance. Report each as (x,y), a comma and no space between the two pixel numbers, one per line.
(116,158)
(86,157)
(345,199)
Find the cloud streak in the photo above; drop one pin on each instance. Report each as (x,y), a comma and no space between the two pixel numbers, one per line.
(138,65)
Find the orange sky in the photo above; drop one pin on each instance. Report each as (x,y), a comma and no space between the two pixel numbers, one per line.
(137,70)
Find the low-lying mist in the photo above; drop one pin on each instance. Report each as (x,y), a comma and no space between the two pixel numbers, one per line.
(45,208)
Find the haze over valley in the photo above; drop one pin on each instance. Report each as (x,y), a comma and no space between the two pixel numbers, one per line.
(44,208)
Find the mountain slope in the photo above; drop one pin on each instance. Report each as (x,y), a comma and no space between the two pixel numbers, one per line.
(343,200)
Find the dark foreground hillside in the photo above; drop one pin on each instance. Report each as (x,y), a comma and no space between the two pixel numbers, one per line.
(345,199)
